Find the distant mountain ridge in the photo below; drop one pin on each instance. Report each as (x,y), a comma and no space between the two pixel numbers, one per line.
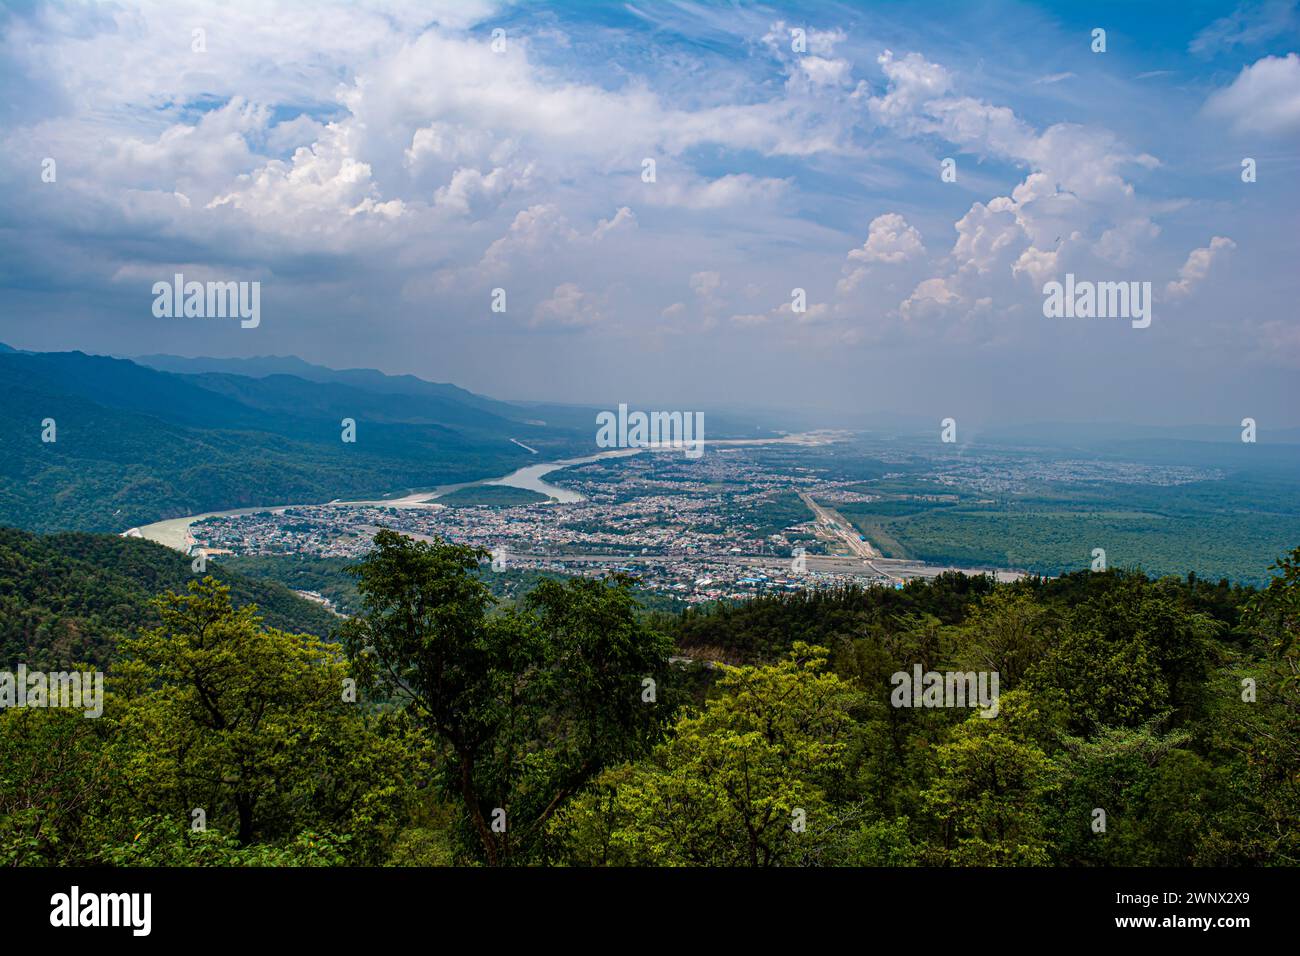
(133,444)
(265,366)
(577,417)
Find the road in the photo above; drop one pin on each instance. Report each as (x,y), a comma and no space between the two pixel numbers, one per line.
(834,525)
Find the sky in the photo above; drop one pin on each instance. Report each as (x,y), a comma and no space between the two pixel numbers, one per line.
(380,168)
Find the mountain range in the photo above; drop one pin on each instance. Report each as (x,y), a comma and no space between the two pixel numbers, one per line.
(94,443)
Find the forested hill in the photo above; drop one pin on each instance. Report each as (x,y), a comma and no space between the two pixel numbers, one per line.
(1105,720)
(91,443)
(65,597)
(765,628)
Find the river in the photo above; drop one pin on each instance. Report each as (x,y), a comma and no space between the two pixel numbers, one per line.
(175,532)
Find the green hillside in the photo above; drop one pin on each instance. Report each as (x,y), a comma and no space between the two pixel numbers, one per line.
(490,496)
(135,445)
(65,598)
(1169,704)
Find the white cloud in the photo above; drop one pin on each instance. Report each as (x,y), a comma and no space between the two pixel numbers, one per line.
(1197,266)
(568,305)
(318,190)
(1120,245)
(623,218)
(451,143)
(286,136)
(927,299)
(1074,198)
(1264,98)
(705,284)
(913,81)
(733,189)
(534,230)
(985,234)
(411,163)
(826,72)
(1249,24)
(469,188)
(1039,264)
(889,239)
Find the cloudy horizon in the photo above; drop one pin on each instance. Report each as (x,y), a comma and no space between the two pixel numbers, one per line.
(650,183)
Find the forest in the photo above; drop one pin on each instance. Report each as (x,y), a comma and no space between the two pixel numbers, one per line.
(65,598)
(1141,722)
(128,445)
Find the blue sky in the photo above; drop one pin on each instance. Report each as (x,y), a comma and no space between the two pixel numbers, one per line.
(381,168)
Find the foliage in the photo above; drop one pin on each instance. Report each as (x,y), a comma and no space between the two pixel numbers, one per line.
(530,704)
(65,597)
(737,784)
(1140,722)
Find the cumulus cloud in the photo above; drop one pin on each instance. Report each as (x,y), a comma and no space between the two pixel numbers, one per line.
(927,299)
(985,234)
(568,305)
(1264,98)
(533,230)
(705,284)
(913,81)
(322,187)
(1039,264)
(1197,266)
(623,218)
(469,188)
(1074,200)
(816,65)
(889,239)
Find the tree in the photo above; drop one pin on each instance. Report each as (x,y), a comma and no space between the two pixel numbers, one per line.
(1115,771)
(249,725)
(1110,679)
(740,783)
(989,789)
(1006,633)
(531,704)
(1274,613)
(53,774)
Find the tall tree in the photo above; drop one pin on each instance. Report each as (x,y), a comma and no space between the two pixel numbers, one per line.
(254,727)
(531,704)
(740,783)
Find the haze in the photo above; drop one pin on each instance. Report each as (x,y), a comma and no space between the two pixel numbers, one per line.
(381,170)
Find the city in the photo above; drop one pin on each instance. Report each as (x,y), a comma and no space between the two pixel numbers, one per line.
(727,525)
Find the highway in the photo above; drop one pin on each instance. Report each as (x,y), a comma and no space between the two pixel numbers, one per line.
(835,526)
